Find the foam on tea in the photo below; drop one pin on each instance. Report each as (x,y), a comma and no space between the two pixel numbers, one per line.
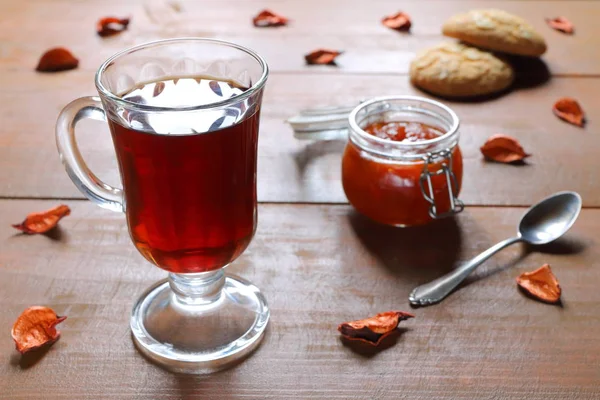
(189,179)
(184,93)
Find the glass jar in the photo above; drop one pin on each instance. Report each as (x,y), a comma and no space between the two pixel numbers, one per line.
(403,183)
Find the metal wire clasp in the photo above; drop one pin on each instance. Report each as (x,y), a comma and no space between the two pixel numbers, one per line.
(445,158)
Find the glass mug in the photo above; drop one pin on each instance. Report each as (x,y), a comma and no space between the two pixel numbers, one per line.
(184,117)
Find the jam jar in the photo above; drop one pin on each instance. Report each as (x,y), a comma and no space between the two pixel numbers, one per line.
(402,165)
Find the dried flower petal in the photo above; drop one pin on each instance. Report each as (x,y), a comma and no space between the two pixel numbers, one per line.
(568,109)
(57,59)
(373,330)
(43,221)
(322,56)
(109,26)
(399,21)
(561,24)
(504,149)
(35,327)
(175,5)
(267,18)
(541,284)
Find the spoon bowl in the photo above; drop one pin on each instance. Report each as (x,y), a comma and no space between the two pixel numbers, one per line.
(550,218)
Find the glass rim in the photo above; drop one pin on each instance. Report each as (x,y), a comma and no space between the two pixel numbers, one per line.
(105,93)
(402,145)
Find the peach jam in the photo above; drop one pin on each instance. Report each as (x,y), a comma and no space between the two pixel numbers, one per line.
(402,165)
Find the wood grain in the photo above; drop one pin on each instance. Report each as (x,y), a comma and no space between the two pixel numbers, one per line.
(318,266)
(564,156)
(375,63)
(369,46)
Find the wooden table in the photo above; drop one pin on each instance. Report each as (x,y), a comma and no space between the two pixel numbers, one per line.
(316,260)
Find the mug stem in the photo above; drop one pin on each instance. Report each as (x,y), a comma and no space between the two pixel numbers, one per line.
(199,289)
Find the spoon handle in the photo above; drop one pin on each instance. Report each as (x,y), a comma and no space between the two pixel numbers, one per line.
(439,288)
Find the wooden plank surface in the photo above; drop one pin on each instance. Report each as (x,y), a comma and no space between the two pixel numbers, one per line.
(289,170)
(370,47)
(564,156)
(318,266)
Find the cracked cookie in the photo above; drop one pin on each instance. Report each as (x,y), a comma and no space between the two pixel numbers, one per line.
(457,70)
(496,30)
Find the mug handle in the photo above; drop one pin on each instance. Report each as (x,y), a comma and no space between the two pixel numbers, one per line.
(93,188)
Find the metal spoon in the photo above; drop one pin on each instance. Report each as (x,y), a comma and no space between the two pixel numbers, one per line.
(544,222)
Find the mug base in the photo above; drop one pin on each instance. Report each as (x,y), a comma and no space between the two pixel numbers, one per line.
(199,338)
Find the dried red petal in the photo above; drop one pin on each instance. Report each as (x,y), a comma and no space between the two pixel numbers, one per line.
(568,109)
(175,5)
(43,221)
(109,26)
(57,59)
(561,24)
(373,330)
(36,327)
(268,18)
(541,284)
(504,149)
(399,21)
(322,56)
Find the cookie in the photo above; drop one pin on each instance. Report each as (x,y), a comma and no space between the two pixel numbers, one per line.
(496,30)
(457,70)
